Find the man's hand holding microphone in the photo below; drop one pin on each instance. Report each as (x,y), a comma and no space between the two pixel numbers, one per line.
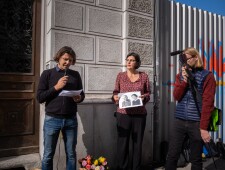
(61,83)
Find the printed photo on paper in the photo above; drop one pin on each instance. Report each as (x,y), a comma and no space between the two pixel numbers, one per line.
(130,99)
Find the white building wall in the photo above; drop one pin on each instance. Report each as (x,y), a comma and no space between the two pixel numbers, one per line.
(101,32)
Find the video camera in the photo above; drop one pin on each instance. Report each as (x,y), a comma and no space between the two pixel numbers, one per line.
(182,57)
(183,62)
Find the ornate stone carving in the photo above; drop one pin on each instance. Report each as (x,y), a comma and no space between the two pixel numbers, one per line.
(140,27)
(145,6)
(145,50)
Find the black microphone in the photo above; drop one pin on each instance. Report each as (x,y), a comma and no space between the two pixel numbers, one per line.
(65,72)
(176,52)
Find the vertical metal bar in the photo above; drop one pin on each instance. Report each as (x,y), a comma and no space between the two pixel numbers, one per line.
(215,54)
(184,27)
(201,37)
(211,42)
(220,69)
(206,40)
(196,28)
(190,26)
(179,32)
(173,44)
(215,61)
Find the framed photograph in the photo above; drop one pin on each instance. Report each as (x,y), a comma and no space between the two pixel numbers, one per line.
(130,99)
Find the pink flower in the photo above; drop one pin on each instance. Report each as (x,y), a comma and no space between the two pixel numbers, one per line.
(89,163)
(102,167)
(84,163)
(88,157)
(104,163)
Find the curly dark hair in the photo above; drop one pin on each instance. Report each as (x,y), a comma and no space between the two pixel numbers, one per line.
(64,50)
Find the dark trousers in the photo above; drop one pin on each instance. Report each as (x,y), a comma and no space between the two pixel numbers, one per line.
(130,126)
(180,129)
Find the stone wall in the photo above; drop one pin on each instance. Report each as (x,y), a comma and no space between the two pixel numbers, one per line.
(101,32)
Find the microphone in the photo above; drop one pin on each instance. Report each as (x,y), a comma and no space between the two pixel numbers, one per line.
(176,52)
(65,72)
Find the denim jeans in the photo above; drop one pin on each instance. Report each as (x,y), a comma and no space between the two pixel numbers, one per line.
(180,129)
(52,127)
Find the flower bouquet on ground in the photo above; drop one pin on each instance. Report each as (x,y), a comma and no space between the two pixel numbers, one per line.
(89,163)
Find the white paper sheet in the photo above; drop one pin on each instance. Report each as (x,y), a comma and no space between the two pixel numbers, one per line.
(70,93)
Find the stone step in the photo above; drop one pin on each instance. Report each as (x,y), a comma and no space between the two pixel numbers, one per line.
(28,162)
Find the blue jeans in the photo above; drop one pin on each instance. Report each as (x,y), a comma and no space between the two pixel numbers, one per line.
(179,130)
(52,127)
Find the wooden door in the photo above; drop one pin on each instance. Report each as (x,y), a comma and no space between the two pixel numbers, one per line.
(19,73)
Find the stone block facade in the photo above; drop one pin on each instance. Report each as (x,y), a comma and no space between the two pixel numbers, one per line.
(102,33)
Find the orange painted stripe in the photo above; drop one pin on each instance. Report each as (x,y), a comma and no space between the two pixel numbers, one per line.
(220,83)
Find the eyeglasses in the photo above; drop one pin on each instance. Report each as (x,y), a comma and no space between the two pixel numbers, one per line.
(188,59)
(130,60)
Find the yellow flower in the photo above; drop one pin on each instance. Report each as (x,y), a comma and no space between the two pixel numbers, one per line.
(96,162)
(101,159)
